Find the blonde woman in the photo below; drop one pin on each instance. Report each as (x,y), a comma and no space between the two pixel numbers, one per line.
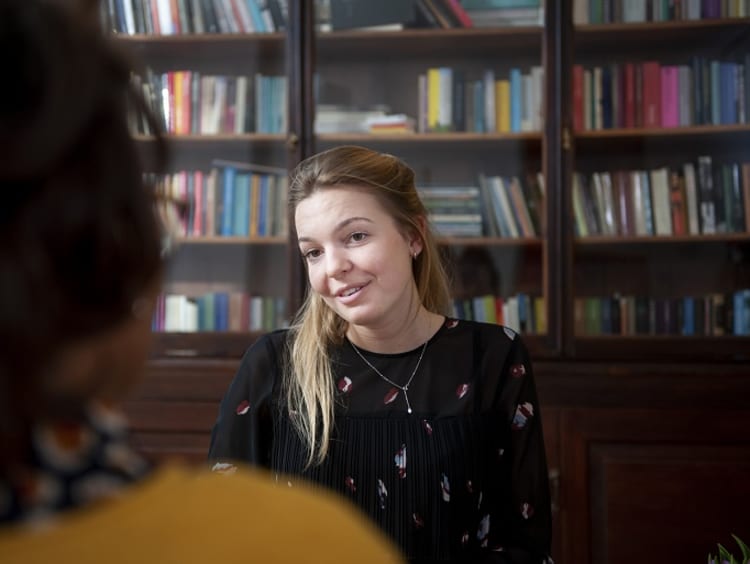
(429,424)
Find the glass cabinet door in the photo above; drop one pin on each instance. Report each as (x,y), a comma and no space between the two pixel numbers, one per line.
(661,182)
(217,80)
(457,92)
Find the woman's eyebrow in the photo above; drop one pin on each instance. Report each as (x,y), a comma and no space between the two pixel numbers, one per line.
(340,225)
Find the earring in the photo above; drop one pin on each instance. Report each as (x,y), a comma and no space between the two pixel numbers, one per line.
(414,255)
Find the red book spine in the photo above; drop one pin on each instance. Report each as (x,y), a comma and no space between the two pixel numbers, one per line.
(460,13)
(578,98)
(198,200)
(651,94)
(629,97)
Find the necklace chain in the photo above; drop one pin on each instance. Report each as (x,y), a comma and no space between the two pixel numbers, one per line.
(403,388)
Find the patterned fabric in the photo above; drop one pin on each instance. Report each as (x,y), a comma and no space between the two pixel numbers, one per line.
(462,478)
(71,465)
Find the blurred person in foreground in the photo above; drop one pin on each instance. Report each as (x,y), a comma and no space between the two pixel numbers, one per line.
(80,268)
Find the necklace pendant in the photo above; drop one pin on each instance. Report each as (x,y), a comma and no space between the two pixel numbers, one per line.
(408,410)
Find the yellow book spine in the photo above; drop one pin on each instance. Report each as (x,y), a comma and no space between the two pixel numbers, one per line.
(433,98)
(502,113)
(254,204)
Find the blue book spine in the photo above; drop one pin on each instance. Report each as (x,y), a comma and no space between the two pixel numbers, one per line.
(715,93)
(227,212)
(606,316)
(263,198)
(221,311)
(241,220)
(516,99)
(688,319)
(479,106)
(255,15)
(647,206)
(738,308)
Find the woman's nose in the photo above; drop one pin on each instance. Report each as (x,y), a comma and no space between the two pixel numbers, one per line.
(337,262)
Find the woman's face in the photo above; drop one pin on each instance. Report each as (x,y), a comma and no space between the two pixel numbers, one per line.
(357,259)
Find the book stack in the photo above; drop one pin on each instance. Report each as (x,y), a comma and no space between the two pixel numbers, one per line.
(501,13)
(454,211)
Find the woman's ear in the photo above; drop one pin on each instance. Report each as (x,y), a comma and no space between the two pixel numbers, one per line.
(416,238)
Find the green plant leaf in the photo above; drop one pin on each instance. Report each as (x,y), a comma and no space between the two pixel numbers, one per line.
(724,554)
(744,548)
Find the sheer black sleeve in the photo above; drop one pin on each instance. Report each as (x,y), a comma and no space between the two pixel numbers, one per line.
(522,505)
(244,427)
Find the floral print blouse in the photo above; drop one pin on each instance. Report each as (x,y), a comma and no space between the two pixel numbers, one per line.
(461,478)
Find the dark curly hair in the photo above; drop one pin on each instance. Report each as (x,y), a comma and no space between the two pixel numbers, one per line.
(79,234)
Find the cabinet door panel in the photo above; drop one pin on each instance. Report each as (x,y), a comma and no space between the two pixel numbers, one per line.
(652,485)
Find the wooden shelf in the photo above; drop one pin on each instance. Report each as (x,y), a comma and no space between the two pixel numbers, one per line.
(213,44)
(491,241)
(716,34)
(413,43)
(663,348)
(607,240)
(196,139)
(218,240)
(419,138)
(203,344)
(727,139)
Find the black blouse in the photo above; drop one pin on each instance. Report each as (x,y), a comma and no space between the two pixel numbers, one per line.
(462,478)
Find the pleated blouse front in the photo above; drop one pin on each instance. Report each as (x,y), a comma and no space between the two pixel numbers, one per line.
(462,478)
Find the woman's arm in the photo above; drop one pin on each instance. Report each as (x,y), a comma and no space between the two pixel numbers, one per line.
(244,426)
(523,500)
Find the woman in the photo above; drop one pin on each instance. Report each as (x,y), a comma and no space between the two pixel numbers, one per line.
(427,423)
(80,267)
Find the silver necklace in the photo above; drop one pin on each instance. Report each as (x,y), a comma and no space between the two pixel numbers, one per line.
(405,387)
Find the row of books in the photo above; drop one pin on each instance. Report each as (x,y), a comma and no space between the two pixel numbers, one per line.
(633,11)
(189,102)
(522,312)
(228,201)
(513,207)
(341,118)
(509,207)
(695,199)
(709,315)
(449,100)
(648,94)
(173,17)
(218,311)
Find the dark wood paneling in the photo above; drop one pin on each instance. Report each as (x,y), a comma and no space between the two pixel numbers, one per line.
(636,479)
(655,493)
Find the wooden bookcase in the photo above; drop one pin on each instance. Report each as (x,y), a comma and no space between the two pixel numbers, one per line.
(647,435)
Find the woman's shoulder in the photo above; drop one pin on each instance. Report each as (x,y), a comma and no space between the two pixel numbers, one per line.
(267,349)
(490,332)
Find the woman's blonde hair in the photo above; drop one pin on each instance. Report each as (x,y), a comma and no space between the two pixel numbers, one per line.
(308,375)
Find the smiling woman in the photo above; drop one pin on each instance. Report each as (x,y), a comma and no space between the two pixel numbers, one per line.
(429,424)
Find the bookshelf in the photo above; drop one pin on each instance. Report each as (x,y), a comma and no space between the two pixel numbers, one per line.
(603,394)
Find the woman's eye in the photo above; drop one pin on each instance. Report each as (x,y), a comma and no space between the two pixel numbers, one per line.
(311,254)
(358,237)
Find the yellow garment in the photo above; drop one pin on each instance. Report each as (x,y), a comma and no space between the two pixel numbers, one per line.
(182,516)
